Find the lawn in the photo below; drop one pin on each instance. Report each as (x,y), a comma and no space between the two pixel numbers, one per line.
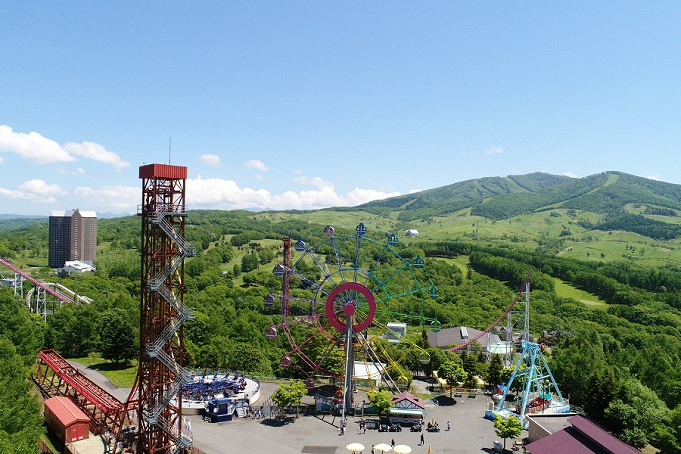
(568,291)
(120,374)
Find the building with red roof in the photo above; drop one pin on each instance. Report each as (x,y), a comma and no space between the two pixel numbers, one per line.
(66,420)
(407,400)
(582,436)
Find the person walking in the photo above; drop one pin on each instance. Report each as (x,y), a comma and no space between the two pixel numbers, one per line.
(448,425)
(423,442)
(392,443)
(372,449)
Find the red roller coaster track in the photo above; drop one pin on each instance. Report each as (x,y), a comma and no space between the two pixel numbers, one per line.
(57,377)
(35,281)
(496,322)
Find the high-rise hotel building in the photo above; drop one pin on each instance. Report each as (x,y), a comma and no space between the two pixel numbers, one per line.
(73,236)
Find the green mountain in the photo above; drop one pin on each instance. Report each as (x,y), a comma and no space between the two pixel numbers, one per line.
(505,197)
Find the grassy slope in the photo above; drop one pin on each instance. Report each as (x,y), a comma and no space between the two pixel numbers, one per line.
(122,375)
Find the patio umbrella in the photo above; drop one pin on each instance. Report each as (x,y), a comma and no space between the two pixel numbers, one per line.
(402,449)
(355,447)
(382,447)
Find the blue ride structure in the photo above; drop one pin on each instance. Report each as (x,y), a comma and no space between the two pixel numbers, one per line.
(540,392)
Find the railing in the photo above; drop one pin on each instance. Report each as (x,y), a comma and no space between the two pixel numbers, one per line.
(181,439)
(155,348)
(171,364)
(167,227)
(168,332)
(170,297)
(168,397)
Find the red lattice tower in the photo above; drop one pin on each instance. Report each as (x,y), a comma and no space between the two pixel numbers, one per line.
(162,310)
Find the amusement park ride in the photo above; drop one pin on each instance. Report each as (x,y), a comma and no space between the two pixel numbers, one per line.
(338,304)
(347,290)
(540,392)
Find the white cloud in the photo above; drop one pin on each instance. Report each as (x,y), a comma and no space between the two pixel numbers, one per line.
(32,146)
(34,191)
(359,196)
(65,171)
(36,148)
(656,178)
(211,160)
(256,164)
(2,160)
(414,191)
(570,174)
(494,150)
(216,193)
(315,181)
(96,152)
(116,198)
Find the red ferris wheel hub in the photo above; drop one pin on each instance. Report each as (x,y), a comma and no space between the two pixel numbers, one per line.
(350,308)
(347,294)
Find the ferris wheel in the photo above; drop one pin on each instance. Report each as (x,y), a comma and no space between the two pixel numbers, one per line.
(345,301)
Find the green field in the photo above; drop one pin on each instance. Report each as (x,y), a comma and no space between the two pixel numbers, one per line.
(122,375)
(567,291)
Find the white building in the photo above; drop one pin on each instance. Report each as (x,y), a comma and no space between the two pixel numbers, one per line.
(411,232)
(76,266)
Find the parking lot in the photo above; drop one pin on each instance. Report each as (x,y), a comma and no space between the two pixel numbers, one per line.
(318,434)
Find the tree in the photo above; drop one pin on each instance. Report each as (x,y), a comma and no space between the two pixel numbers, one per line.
(494,371)
(249,358)
(453,372)
(381,401)
(510,427)
(117,337)
(21,423)
(249,262)
(603,388)
(289,394)
(635,413)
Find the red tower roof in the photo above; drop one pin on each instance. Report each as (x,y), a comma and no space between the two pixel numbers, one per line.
(163,171)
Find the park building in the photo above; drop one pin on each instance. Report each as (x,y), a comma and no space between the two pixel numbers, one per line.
(72,237)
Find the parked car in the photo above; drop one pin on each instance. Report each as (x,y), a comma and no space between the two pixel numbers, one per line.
(433,427)
(394,427)
(371,423)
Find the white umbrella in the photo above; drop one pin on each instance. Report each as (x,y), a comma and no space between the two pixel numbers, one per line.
(402,449)
(355,447)
(382,447)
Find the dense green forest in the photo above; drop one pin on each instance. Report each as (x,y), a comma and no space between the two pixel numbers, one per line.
(620,361)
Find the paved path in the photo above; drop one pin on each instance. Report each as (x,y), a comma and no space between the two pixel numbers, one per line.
(99,378)
(470,433)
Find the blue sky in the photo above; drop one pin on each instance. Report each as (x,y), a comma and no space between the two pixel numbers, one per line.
(303,105)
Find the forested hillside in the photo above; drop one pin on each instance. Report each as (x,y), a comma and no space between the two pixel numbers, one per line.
(620,360)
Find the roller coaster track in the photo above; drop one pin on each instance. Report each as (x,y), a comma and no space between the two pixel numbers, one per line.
(70,294)
(498,320)
(57,377)
(36,282)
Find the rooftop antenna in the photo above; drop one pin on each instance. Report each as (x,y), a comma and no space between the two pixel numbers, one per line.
(170,145)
